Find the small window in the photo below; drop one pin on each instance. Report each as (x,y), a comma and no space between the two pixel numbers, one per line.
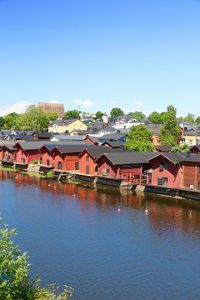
(87,158)
(48,162)
(199,169)
(59,165)
(87,169)
(76,165)
(160,181)
(165,181)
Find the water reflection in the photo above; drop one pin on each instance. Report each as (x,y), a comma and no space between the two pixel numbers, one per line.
(106,243)
(161,211)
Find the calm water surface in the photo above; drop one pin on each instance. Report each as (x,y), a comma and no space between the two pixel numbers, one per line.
(76,235)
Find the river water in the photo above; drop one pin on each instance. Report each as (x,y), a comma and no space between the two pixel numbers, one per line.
(104,243)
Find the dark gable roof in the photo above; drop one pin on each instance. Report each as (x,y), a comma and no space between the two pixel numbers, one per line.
(195,147)
(43,135)
(112,137)
(192,158)
(164,148)
(70,148)
(92,138)
(154,128)
(195,132)
(31,145)
(130,158)
(96,151)
(114,144)
(9,147)
(64,121)
(179,157)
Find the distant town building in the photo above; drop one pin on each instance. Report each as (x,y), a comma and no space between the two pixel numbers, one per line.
(66,126)
(53,107)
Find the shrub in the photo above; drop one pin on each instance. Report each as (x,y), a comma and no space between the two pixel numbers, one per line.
(15,282)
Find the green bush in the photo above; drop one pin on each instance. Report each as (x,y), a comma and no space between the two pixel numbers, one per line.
(15,283)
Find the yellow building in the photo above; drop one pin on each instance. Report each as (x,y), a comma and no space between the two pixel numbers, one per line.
(66,126)
(191,137)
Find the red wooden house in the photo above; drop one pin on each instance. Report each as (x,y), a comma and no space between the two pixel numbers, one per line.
(167,170)
(126,165)
(91,140)
(27,152)
(191,172)
(87,159)
(47,158)
(66,157)
(7,154)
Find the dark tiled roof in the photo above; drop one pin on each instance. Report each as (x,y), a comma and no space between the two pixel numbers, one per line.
(164,148)
(92,138)
(96,151)
(128,157)
(31,145)
(114,144)
(112,137)
(70,148)
(43,135)
(154,128)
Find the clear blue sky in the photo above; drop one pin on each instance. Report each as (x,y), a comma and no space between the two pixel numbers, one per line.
(137,54)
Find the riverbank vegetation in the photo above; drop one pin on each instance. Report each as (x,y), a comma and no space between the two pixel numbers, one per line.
(15,282)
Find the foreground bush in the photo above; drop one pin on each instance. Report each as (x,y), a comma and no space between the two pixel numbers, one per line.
(15,283)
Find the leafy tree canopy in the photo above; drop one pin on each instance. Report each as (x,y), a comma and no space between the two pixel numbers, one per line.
(180,148)
(2,122)
(155,118)
(72,114)
(170,131)
(34,119)
(99,114)
(189,118)
(138,115)
(197,120)
(10,120)
(140,139)
(116,112)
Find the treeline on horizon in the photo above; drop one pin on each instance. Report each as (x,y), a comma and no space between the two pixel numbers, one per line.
(36,119)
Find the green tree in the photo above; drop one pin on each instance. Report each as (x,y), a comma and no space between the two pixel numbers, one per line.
(180,148)
(2,122)
(163,115)
(197,121)
(72,114)
(33,119)
(116,112)
(15,283)
(138,115)
(189,118)
(155,118)
(51,116)
(10,120)
(99,114)
(170,131)
(140,139)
